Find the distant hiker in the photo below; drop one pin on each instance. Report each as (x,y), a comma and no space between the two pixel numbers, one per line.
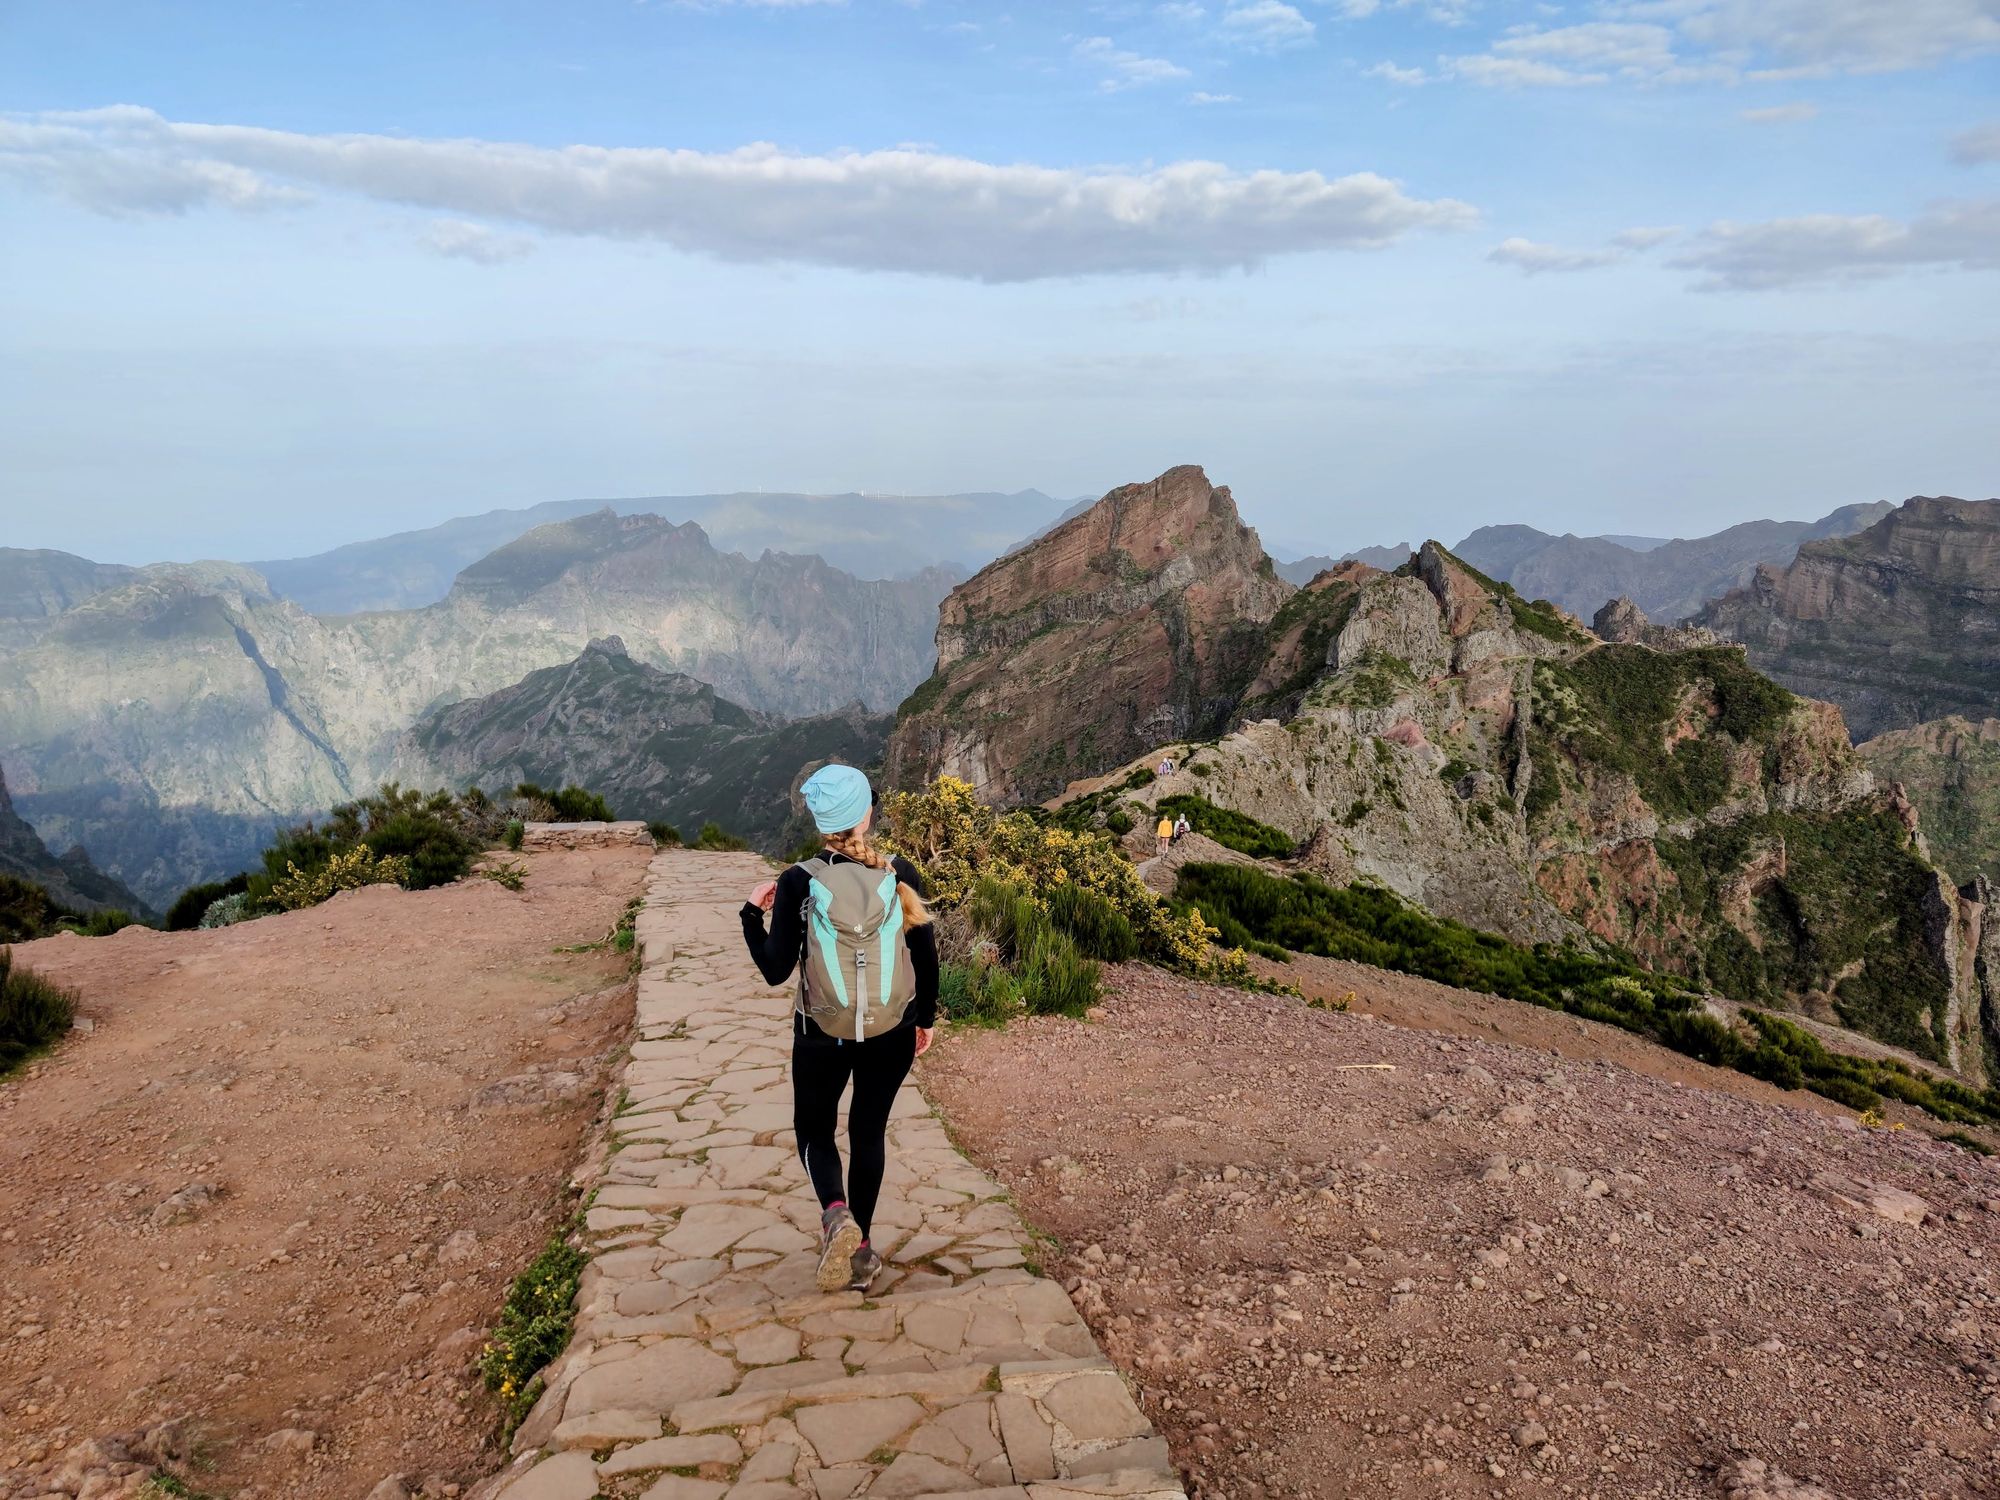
(1182,828)
(1167,767)
(867,1005)
(1165,832)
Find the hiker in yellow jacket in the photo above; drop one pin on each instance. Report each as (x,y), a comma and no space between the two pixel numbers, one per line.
(1165,832)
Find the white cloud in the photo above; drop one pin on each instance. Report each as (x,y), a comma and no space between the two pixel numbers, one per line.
(1126,70)
(1533,259)
(1686,41)
(463,240)
(896,210)
(1266,25)
(1803,37)
(1845,247)
(1408,78)
(1202,96)
(1781,114)
(1981,144)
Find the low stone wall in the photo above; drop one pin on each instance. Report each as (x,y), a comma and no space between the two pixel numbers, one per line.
(584,835)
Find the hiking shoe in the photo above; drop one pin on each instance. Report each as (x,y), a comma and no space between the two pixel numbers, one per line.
(839,1238)
(867,1266)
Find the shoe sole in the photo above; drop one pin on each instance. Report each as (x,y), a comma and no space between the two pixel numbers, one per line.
(836,1260)
(862,1283)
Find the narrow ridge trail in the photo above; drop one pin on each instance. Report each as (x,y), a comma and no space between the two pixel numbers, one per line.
(706,1366)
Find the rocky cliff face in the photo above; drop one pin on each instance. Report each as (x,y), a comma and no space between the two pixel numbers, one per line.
(1950,770)
(170,724)
(658,745)
(1137,621)
(1668,580)
(72,882)
(1496,763)
(1897,624)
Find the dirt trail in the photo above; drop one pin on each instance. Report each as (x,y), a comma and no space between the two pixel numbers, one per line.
(1485,1270)
(384,1095)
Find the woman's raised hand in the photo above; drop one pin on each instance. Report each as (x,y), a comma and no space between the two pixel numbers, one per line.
(765,896)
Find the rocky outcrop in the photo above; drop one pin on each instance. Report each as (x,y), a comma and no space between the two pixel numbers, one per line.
(1623,623)
(170,724)
(1950,771)
(659,746)
(1897,624)
(1494,762)
(1302,571)
(1668,580)
(1136,622)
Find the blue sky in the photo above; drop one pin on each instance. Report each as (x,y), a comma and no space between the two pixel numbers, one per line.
(274,277)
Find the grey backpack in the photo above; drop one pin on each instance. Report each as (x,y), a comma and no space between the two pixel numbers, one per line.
(856,980)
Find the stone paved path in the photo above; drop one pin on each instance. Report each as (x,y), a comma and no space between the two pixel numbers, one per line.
(706,1365)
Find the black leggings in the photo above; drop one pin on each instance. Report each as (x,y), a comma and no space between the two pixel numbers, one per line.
(821,1067)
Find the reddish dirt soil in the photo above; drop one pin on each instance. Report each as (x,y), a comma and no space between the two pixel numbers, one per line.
(1489,1270)
(387,1094)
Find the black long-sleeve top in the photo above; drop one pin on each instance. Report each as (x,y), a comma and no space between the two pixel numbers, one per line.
(778,952)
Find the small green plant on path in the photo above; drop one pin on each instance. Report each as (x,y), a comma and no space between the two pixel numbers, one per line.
(510,873)
(534,1327)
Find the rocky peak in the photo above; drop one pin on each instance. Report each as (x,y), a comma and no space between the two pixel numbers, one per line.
(1139,619)
(1136,544)
(1622,623)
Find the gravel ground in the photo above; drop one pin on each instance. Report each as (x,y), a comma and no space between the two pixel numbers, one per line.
(276,1188)
(1487,1269)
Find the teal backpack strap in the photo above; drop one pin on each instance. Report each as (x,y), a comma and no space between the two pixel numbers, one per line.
(820,931)
(892,929)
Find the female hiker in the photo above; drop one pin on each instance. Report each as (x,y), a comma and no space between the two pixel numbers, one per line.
(853,923)
(1164,833)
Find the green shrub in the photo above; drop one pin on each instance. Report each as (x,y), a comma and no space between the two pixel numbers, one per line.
(1143,776)
(227,911)
(570,805)
(1200,768)
(193,903)
(715,837)
(1970,1143)
(26,912)
(33,1012)
(508,873)
(1098,928)
(515,831)
(1854,1094)
(1053,977)
(346,871)
(1356,812)
(1231,829)
(102,923)
(534,1327)
(433,851)
(978,994)
(1118,822)
(665,835)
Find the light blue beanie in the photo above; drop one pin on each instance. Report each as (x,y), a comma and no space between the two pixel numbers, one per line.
(837,797)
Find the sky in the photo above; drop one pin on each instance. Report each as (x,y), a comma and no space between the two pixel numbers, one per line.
(277,276)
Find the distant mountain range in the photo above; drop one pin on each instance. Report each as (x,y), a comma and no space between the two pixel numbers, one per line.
(658,745)
(169,723)
(1668,580)
(869,536)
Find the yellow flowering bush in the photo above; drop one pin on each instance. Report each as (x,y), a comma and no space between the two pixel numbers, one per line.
(347,871)
(957,839)
(534,1327)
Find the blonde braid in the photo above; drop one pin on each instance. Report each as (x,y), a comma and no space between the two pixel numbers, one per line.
(854,845)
